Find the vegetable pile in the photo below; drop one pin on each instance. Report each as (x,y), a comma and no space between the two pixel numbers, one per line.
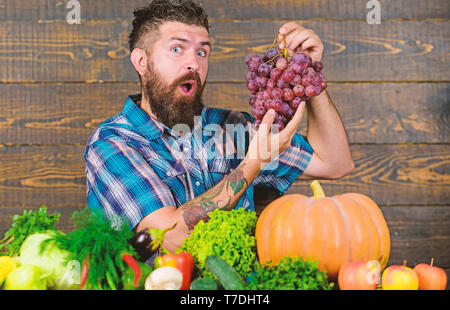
(218,254)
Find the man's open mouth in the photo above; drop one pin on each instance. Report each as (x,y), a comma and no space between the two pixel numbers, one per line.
(188,88)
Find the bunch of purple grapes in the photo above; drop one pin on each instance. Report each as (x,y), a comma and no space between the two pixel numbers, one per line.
(281,83)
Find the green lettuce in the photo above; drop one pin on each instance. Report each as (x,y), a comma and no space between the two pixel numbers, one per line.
(227,234)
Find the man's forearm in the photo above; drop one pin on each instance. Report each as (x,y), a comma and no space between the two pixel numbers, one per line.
(224,195)
(326,134)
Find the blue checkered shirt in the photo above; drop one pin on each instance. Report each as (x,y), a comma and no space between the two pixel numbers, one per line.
(136,165)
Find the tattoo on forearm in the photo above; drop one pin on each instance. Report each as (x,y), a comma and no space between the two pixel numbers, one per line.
(218,197)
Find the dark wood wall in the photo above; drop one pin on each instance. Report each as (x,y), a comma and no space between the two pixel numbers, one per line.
(390,83)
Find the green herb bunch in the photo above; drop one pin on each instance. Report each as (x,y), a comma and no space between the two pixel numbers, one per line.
(289,274)
(101,243)
(227,234)
(30,222)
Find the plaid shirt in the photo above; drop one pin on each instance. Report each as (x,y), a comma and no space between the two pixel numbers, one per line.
(136,165)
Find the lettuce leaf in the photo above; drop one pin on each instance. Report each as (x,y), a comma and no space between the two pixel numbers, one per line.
(227,234)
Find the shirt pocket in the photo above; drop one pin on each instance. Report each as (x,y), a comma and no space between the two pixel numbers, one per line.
(173,175)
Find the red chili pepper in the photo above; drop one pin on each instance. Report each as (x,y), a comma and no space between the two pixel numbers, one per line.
(130,261)
(84,273)
(184,262)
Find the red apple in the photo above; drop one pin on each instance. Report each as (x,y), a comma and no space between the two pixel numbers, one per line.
(431,277)
(399,277)
(359,275)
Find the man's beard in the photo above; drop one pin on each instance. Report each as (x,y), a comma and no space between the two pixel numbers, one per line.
(172,109)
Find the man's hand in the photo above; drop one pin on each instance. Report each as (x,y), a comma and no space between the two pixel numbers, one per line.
(267,145)
(300,40)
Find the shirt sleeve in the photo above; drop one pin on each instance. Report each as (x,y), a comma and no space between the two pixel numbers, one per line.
(122,183)
(281,172)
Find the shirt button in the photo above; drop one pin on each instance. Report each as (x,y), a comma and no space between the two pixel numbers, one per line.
(168,173)
(197,183)
(186,150)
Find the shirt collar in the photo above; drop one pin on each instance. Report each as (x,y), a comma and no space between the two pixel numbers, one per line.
(147,126)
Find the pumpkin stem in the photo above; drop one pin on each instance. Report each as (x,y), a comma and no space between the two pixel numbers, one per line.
(317,190)
(432,259)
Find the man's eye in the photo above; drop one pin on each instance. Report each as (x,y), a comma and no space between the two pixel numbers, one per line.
(176,49)
(202,53)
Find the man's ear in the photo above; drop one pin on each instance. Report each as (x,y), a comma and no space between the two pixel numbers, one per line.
(139,60)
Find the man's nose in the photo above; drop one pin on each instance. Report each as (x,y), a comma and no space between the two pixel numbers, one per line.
(192,63)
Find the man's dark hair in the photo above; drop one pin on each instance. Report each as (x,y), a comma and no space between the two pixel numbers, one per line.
(149,18)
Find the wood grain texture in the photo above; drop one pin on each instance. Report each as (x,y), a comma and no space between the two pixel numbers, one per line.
(390,83)
(98,50)
(372,113)
(231,9)
(390,174)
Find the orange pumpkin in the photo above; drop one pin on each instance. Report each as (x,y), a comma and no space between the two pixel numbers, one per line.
(331,230)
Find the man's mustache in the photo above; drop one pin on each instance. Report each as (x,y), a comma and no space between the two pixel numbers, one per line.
(192,75)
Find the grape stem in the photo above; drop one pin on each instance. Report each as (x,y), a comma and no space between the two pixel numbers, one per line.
(279,54)
(285,52)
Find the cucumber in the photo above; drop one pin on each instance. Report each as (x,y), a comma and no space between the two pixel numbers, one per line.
(226,274)
(204,284)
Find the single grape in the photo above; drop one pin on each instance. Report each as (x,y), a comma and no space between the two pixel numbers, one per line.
(310,71)
(259,95)
(302,58)
(288,94)
(316,80)
(258,112)
(306,80)
(268,105)
(318,90)
(271,84)
(282,83)
(323,85)
(251,85)
(277,93)
(276,104)
(250,76)
(282,64)
(275,74)
(288,75)
(286,110)
(260,81)
(299,90)
(296,80)
(257,58)
(295,102)
(310,91)
(253,66)
(266,94)
(317,65)
(264,69)
(251,101)
(259,103)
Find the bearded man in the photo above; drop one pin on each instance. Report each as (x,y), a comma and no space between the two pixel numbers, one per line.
(139,168)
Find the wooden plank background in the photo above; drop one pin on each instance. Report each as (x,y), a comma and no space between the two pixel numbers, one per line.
(390,83)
